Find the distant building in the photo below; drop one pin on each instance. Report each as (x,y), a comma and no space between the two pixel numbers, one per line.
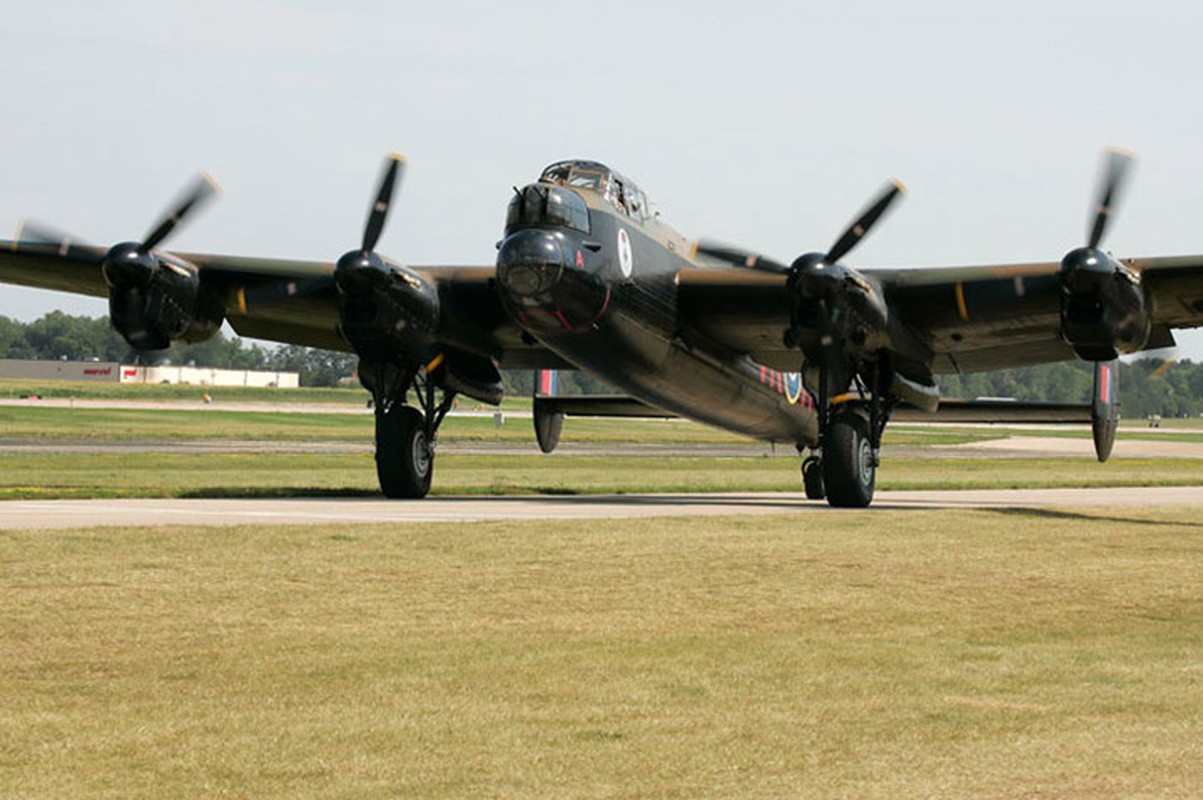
(112,372)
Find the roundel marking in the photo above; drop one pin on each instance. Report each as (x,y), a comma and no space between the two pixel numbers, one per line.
(793,387)
(625,261)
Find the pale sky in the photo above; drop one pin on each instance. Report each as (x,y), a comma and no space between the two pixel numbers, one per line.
(763,124)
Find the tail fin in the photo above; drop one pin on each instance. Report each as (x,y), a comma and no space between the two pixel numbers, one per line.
(1104,409)
(547,383)
(548,423)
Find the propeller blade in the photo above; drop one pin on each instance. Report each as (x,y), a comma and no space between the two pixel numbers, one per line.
(35,232)
(1114,176)
(865,222)
(32,232)
(384,197)
(736,256)
(201,191)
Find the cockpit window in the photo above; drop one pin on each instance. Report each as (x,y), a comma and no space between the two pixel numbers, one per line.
(540,204)
(557,173)
(577,174)
(625,196)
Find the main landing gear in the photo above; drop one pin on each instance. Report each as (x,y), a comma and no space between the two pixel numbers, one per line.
(405,435)
(843,468)
(849,461)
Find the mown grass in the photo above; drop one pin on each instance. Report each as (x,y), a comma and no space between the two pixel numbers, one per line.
(201,421)
(163,392)
(212,422)
(68,475)
(946,654)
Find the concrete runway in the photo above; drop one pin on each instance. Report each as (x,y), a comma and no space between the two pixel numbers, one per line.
(60,514)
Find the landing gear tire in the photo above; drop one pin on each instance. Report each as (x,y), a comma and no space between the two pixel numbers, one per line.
(404,457)
(812,479)
(849,468)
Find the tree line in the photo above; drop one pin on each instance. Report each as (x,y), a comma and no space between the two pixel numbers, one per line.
(1147,385)
(59,336)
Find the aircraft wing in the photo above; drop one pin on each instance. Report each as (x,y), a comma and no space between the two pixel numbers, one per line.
(293,301)
(740,310)
(953,319)
(67,268)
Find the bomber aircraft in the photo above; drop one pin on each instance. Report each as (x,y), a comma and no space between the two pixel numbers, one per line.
(815,353)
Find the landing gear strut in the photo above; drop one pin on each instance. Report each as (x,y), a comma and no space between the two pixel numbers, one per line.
(405,436)
(844,466)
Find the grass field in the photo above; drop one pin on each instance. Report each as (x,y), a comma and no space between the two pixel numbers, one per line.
(209,422)
(167,392)
(78,475)
(25,475)
(93,390)
(947,654)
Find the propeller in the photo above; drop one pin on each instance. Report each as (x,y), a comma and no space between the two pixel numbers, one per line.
(1110,190)
(865,222)
(355,268)
(736,256)
(829,286)
(68,246)
(203,189)
(1104,312)
(818,276)
(130,267)
(361,268)
(394,166)
(130,263)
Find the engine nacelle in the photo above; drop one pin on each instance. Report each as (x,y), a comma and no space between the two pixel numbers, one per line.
(390,314)
(1103,308)
(155,300)
(385,309)
(831,300)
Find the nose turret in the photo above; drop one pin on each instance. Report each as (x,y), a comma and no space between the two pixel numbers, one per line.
(530,262)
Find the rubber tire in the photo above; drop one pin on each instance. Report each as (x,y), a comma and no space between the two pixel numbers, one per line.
(849,473)
(404,459)
(812,478)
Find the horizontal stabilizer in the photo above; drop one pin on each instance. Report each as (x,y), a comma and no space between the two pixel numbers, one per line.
(600,405)
(997,411)
(549,413)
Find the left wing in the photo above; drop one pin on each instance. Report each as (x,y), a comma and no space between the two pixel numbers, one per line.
(1089,305)
(283,300)
(964,319)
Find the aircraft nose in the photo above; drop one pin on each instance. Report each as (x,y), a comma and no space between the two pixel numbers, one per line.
(529,262)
